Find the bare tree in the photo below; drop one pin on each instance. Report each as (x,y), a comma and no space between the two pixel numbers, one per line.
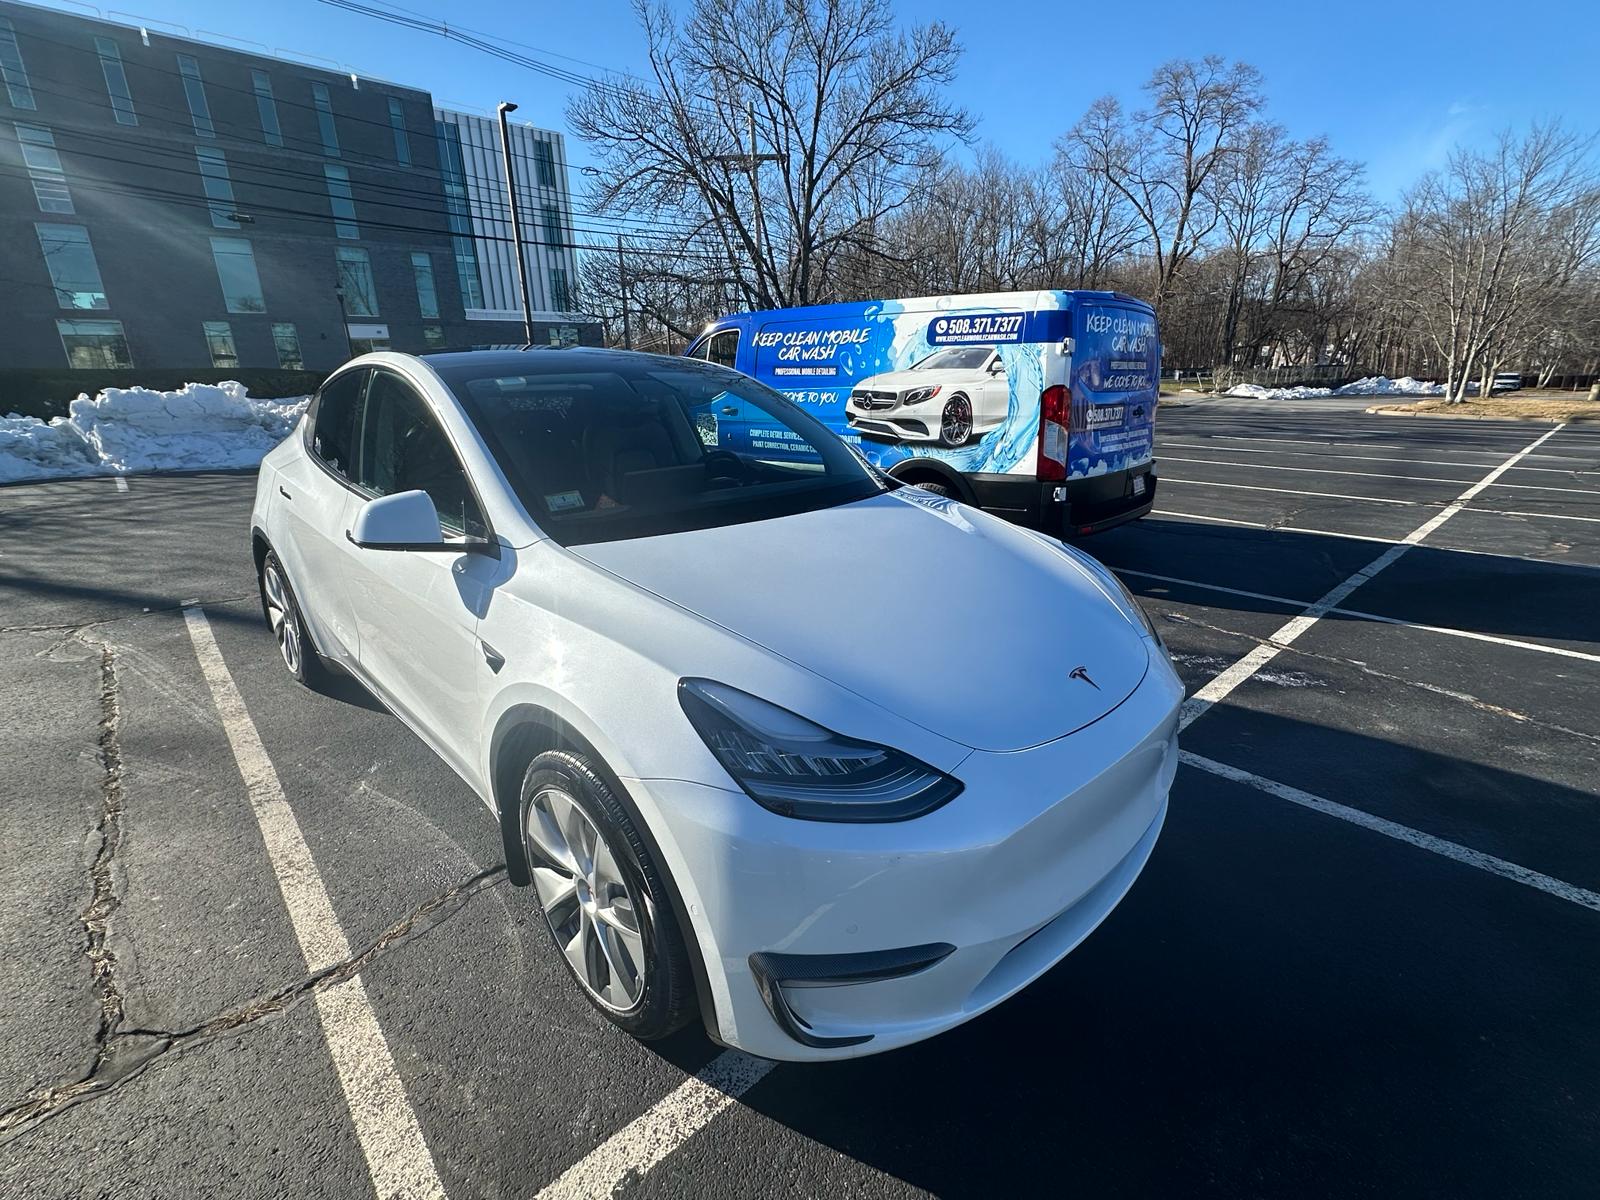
(1479,244)
(1162,158)
(776,132)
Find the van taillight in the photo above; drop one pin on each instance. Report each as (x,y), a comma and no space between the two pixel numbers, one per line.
(1055,408)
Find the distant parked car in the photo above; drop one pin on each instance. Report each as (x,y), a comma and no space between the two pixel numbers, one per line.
(949,397)
(662,664)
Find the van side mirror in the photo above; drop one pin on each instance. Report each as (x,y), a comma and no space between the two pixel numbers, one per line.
(407,521)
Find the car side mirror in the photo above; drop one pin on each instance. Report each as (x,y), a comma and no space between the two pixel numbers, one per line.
(407,521)
(997,367)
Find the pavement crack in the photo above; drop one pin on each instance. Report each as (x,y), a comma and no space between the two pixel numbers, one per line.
(74,628)
(129,1052)
(1466,698)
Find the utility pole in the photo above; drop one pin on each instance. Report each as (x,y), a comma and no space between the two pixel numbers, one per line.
(753,162)
(622,290)
(505,107)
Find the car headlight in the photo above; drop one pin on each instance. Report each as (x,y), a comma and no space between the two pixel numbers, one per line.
(796,768)
(919,395)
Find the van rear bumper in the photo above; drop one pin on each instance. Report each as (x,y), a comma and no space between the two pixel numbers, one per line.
(1069,509)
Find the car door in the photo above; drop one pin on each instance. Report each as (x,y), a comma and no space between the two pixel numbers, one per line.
(996,401)
(417,612)
(313,507)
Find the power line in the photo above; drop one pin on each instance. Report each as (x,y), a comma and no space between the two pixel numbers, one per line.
(182,121)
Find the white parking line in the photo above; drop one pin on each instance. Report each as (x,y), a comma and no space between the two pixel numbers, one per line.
(1382,541)
(639,1146)
(122,483)
(1231,677)
(1559,888)
(398,1160)
(1421,462)
(1250,487)
(1517,643)
(1255,466)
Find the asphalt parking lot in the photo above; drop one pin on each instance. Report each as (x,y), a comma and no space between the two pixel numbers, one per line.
(1364,959)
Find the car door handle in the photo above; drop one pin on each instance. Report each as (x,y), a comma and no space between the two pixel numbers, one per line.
(283,493)
(493,657)
(730,411)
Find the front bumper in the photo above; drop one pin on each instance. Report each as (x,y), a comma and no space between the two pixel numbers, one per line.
(992,889)
(903,423)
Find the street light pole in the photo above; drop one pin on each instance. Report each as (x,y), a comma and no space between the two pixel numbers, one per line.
(505,107)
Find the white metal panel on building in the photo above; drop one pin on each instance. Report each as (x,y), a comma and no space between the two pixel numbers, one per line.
(545,199)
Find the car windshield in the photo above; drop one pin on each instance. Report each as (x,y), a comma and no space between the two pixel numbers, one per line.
(639,446)
(956,358)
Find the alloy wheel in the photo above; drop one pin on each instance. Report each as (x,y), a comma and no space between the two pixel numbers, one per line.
(586,901)
(282,617)
(955,426)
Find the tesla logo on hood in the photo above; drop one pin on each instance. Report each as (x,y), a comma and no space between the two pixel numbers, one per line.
(1081,673)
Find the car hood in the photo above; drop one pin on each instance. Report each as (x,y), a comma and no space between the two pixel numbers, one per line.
(949,618)
(902,381)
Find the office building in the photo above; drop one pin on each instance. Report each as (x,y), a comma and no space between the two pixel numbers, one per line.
(168,202)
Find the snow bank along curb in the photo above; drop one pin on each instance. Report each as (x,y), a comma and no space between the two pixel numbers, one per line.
(1374,385)
(201,426)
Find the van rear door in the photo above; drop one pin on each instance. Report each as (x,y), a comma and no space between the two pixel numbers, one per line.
(1116,374)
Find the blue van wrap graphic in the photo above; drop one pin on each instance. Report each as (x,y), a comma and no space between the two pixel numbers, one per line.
(959,379)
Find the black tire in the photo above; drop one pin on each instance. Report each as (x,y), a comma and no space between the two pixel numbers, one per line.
(938,489)
(304,665)
(955,422)
(667,1000)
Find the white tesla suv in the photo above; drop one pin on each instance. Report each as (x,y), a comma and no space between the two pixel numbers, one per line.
(949,397)
(728,797)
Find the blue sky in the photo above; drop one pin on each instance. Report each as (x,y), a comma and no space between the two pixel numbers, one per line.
(1392,84)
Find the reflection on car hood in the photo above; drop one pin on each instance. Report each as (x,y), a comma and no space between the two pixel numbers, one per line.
(944,616)
(901,381)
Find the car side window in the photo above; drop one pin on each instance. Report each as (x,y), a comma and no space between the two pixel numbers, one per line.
(723,348)
(404,448)
(333,421)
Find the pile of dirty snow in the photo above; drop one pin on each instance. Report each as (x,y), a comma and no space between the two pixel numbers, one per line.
(1373,385)
(201,426)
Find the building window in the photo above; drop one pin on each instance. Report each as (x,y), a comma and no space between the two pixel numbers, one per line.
(266,108)
(219,340)
(433,337)
(236,271)
(73,270)
(286,341)
(564,335)
(453,176)
(324,103)
(544,161)
(44,169)
(551,219)
(402,141)
(356,284)
(559,298)
(194,91)
(341,201)
(427,293)
(94,345)
(219,189)
(116,81)
(12,70)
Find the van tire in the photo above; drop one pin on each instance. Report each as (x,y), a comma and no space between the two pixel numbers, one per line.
(938,489)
